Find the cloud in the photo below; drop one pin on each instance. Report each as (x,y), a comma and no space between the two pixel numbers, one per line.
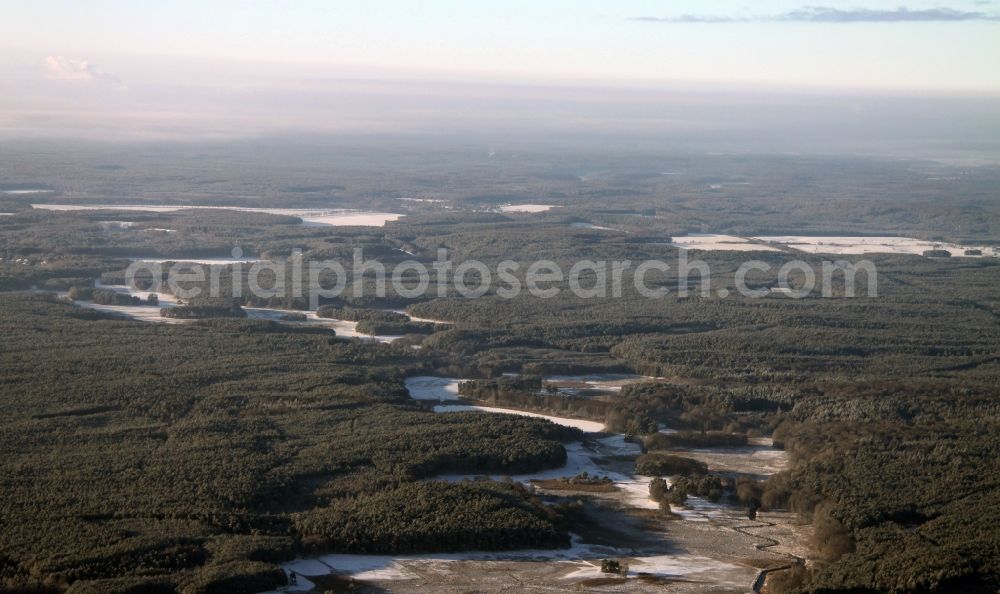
(824,14)
(63,68)
(690,18)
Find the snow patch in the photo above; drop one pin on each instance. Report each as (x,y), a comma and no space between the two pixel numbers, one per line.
(716,242)
(526,207)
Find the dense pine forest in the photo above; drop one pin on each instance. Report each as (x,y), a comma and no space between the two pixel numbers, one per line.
(194,457)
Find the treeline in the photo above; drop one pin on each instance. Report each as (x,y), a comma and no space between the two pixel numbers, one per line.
(898,482)
(434,517)
(657,464)
(202,309)
(110,297)
(353,314)
(692,439)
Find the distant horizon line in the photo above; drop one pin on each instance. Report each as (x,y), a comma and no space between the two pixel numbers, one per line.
(293,70)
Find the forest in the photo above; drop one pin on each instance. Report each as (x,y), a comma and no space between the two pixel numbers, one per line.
(194,457)
(225,444)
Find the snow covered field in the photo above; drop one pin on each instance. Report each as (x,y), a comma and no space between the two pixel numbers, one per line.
(143,312)
(868,245)
(579,562)
(843,245)
(310,217)
(425,387)
(715,242)
(526,207)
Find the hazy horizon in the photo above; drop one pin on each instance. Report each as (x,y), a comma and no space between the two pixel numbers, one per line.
(779,76)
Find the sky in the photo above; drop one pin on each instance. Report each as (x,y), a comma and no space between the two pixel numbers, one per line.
(908,44)
(215,67)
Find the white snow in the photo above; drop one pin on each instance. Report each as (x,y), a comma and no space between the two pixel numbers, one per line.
(343,328)
(347,219)
(588,426)
(165,299)
(689,567)
(608,382)
(867,245)
(203,261)
(143,312)
(151,313)
(445,389)
(591,226)
(429,200)
(697,509)
(31,191)
(716,242)
(526,207)
(107,225)
(123,207)
(419,319)
(335,217)
(583,562)
(433,388)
